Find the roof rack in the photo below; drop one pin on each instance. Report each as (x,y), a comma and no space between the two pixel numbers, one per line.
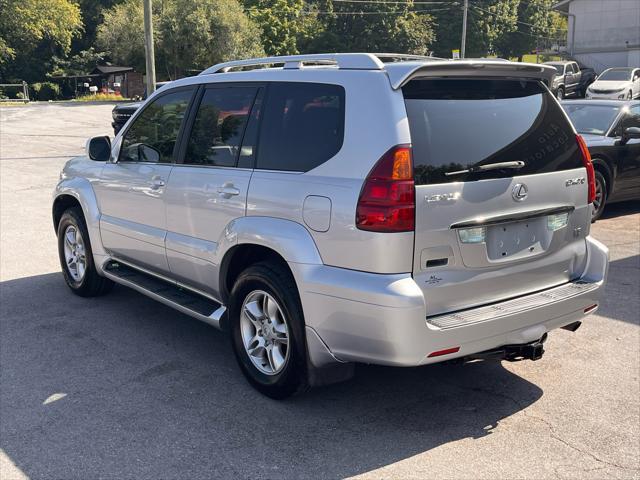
(353,61)
(349,61)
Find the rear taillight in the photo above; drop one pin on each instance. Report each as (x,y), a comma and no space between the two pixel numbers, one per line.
(591,174)
(387,200)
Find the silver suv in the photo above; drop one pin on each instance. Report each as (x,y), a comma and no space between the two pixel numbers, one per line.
(341,208)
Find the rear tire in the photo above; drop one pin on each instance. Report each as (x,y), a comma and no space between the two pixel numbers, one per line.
(76,257)
(560,93)
(601,196)
(267,330)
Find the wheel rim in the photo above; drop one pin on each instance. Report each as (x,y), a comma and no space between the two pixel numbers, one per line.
(598,201)
(74,253)
(265,334)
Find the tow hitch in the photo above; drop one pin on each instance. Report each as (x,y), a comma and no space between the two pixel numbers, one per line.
(514,353)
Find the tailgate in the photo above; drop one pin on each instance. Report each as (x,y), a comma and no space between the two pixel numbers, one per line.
(484,236)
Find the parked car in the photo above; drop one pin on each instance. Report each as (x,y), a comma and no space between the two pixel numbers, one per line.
(611,129)
(121,113)
(616,83)
(568,79)
(342,210)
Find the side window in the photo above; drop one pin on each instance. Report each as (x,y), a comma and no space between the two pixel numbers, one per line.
(219,126)
(633,120)
(302,126)
(152,136)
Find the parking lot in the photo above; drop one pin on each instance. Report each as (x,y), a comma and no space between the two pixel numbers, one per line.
(123,387)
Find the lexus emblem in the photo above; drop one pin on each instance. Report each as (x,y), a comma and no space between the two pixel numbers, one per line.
(519,192)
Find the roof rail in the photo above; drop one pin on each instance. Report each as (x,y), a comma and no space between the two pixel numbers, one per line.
(401,57)
(351,61)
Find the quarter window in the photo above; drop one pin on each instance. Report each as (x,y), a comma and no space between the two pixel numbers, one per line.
(219,126)
(302,127)
(152,136)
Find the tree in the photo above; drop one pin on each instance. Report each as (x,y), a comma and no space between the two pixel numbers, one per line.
(488,20)
(373,27)
(282,23)
(537,22)
(31,31)
(189,35)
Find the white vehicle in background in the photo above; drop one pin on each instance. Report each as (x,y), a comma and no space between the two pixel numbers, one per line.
(616,84)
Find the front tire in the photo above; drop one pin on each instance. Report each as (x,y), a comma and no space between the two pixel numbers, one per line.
(560,94)
(76,257)
(601,196)
(267,330)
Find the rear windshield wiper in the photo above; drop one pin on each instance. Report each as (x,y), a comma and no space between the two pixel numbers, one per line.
(490,166)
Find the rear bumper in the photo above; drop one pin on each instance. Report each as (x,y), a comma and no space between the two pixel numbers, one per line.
(381,319)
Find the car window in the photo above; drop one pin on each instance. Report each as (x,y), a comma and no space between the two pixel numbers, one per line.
(574,68)
(219,125)
(152,135)
(632,119)
(302,127)
(456,124)
(591,118)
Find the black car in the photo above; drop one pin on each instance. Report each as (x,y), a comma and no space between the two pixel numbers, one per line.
(611,129)
(122,113)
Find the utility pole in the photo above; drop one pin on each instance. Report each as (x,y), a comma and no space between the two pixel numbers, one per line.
(148,48)
(464,28)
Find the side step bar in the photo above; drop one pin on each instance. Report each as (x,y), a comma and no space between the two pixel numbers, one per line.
(169,293)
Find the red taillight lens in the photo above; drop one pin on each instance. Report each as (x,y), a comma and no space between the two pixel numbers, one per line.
(387,199)
(591,174)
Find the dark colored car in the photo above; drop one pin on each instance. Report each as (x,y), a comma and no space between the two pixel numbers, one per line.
(122,113)
(611,129)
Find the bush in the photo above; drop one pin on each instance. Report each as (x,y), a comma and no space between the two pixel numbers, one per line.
(46,91)
(100,97)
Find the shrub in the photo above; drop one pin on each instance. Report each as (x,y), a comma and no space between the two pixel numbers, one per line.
(46,91)
(100,97)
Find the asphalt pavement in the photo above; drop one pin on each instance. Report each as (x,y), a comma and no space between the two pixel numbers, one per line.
(122,387)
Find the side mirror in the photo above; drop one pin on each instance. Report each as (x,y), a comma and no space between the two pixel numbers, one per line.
(99,148)
(628,134)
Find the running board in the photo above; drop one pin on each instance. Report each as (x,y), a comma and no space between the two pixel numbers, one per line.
(169,293)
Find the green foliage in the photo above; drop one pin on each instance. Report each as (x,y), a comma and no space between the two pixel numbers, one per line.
(283,23)
(31,31)
(487,21)
(45,91)
(373,27)
(81,63)
(537,23)
(189,35)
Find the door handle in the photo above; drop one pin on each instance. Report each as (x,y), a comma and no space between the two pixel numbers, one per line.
(157,183)
(228,190)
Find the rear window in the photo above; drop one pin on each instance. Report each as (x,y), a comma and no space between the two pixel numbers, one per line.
(302,127)
(458,123)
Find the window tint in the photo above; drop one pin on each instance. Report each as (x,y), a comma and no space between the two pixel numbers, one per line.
(219,126)
(302,126)
(153,134)
(591,117)
(456,124)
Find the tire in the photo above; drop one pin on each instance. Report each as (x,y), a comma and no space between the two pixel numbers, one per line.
(630,95)
(256,326)
(601,196)
(73,242)
(560,93)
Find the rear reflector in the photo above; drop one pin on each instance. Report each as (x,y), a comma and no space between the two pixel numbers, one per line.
(387,199)
(591,174)
(446,351)
(591,309)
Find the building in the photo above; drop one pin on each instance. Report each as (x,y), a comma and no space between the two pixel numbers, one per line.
(603,33)
(122,79)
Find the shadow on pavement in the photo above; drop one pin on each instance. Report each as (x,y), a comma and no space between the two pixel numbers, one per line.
(620,299)
(151,393)
(619,209)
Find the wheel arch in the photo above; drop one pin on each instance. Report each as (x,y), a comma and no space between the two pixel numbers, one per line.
(601,165)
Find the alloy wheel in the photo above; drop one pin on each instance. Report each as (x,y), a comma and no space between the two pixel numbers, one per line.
(74,253)
(265,334)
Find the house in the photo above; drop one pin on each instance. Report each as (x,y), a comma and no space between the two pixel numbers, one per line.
(123,79)
(603,33)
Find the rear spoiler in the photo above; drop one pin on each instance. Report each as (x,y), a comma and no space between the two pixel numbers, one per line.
(400,73)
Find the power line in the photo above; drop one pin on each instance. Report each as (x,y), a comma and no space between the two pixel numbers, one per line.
(398,12)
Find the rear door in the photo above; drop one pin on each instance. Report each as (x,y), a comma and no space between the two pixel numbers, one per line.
(490,235)
(208,186)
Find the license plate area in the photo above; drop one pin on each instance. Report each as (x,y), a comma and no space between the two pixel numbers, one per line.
(516,240)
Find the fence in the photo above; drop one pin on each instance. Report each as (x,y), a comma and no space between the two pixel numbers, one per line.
(25,92)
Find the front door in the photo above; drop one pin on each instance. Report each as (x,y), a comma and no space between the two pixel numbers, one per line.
(628,178)
(131,189)
(208,187)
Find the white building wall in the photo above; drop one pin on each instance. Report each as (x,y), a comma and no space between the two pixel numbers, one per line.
(607,32)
